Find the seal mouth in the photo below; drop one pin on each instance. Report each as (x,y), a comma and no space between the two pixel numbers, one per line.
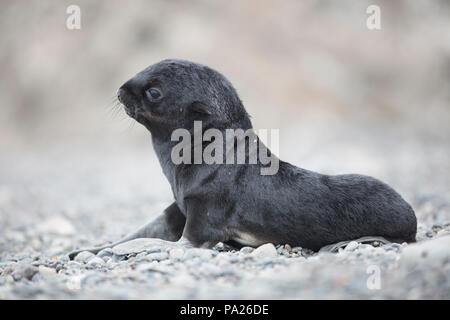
(141,115)
(133,111)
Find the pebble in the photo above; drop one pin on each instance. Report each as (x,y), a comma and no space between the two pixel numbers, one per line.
(141,255)
(24,271)
(176,253)
(246,250)
(46,272)
(219,246)
(84,256)
(352,246)
(307,252)
(118,258)
(107,252)
(96,262)
(266,250)
(297,249)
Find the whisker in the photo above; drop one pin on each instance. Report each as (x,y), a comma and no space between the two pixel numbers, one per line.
(114,108)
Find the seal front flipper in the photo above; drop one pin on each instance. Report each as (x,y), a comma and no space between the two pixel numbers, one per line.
(205,227)
(167,226)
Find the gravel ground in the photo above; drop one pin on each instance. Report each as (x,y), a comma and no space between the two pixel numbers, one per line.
(55,201)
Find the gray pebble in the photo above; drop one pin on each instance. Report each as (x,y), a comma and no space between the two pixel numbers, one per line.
(74,264)
(297,249)
(96,262)
(141,255)
(84,256)
(107,252)
(63,258)
(246,250)
(219,247)
(117,258)
(26,271)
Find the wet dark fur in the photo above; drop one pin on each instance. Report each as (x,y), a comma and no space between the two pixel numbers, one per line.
(213,202)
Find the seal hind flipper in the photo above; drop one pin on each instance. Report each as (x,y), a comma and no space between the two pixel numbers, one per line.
(334,247)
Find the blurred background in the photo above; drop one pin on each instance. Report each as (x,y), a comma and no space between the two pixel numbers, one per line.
(345,98)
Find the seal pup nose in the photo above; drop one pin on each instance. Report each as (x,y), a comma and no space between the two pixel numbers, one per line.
(120,94)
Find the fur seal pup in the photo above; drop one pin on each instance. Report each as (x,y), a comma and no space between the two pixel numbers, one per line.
(235,203)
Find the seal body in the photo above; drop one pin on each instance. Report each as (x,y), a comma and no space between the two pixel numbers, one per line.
(234,202)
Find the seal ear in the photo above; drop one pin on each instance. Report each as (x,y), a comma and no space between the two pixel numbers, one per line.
(200,107)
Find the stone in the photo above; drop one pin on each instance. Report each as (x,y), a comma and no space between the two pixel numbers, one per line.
(246,250)
(297,249)
(107,252)
(74,264)
(84,256)
(176,253)
(118,258)
(24,271)
(141,255)
(96,262)
(352,246)
(266,250)
(219,247)
(46,272)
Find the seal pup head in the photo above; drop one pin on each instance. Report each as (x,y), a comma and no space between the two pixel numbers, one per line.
(174,93)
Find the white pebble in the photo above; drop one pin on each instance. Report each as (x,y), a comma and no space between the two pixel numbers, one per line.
(266,250)
(45,271)
(352,246)
(84,256)
(176,253)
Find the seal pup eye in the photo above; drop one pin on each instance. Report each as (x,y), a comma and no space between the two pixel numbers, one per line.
(154,94)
